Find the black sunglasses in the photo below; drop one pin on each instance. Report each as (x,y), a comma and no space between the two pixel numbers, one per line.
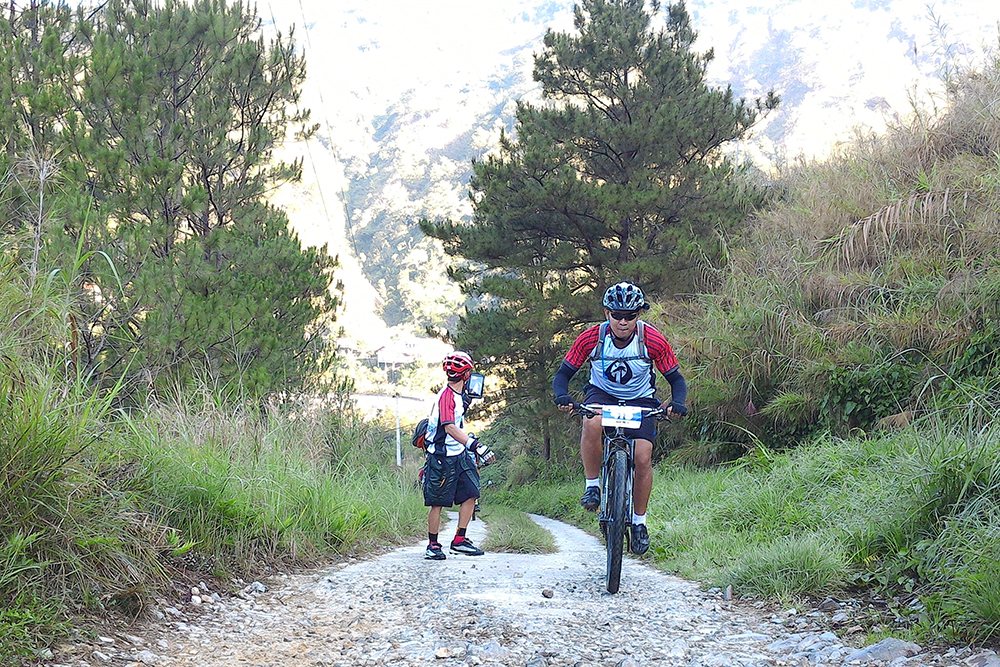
(627,316)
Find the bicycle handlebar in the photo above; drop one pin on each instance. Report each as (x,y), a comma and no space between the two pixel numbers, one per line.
(595,409)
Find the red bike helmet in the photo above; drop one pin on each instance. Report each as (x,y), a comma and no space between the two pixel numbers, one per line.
(457,366)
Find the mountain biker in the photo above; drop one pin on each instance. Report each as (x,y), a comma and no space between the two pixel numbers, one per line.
(623,353)
(451,475)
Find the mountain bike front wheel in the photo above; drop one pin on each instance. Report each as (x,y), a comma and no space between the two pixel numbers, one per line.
(617,504)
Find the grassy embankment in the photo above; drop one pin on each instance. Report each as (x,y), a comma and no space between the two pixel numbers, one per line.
(513,531)
(102,508)
(911,515)
(848,364)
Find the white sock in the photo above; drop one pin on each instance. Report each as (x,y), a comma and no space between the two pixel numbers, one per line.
(593,482)
(638,519)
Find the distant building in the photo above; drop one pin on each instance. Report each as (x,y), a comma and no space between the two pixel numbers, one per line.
(404,350)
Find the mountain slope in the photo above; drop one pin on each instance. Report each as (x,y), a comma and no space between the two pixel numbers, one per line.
(408,94)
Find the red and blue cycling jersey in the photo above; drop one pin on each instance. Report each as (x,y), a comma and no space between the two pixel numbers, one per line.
(625,373)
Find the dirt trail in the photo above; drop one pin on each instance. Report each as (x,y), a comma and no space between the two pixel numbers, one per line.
(502,609)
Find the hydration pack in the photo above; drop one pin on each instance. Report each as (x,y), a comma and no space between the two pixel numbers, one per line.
(640,332)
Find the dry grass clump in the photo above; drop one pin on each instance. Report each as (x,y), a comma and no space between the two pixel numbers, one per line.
(930,186)
(930,180)
(931,219)
(832,297)
(972,123)
(942,170)
(876,268)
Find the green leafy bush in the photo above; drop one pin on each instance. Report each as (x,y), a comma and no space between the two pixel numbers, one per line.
(862,395)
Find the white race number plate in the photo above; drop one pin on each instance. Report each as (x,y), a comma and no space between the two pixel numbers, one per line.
(626,416)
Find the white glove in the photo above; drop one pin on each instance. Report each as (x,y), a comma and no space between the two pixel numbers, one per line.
(484,455)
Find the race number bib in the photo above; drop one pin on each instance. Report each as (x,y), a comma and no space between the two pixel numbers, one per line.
(626,416)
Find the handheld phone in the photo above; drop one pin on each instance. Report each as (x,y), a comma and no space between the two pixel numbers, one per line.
(474,385)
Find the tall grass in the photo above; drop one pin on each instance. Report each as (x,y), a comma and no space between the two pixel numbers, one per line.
(100,506)
(65,541)
(848,304)
(98,510)
(295,482)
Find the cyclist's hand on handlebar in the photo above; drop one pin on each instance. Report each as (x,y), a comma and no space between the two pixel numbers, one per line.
(565,403)
(675,410)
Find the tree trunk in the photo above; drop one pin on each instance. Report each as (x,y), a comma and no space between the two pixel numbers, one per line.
(546,439)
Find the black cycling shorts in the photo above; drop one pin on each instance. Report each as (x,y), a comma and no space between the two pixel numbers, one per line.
(648,429)
(450,480)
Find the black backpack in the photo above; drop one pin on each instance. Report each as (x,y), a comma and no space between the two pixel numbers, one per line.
(419,439)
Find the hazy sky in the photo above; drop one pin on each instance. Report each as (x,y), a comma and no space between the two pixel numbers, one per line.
(365,55)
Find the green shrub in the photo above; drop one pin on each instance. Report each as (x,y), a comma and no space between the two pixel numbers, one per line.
(865,394)
(787,567)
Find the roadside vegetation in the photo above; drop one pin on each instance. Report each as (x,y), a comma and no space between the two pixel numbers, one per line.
(101,508)
(844,386)
(163,334)
(908,517)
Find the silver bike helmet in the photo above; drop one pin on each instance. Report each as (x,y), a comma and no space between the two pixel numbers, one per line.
(625,296)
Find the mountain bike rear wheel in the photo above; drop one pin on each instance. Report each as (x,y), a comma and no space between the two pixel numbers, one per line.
(617,478)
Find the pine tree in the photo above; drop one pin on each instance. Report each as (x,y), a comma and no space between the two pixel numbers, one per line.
(38,62)
(38,57)
(178,111)
(618,175)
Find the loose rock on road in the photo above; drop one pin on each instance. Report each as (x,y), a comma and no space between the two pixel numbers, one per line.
(498,609)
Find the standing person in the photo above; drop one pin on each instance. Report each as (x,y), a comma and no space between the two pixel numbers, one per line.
(623,352)
(451,475)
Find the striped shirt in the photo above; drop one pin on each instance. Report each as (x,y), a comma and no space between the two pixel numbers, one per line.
(448,409)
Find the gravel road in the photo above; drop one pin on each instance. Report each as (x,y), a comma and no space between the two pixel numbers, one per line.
(499,609)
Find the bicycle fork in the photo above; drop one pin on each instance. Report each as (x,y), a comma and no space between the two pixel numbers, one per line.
(611,445)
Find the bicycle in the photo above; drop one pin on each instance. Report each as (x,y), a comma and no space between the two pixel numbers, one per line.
(615,515)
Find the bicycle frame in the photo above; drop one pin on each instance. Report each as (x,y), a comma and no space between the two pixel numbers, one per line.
(617,476)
